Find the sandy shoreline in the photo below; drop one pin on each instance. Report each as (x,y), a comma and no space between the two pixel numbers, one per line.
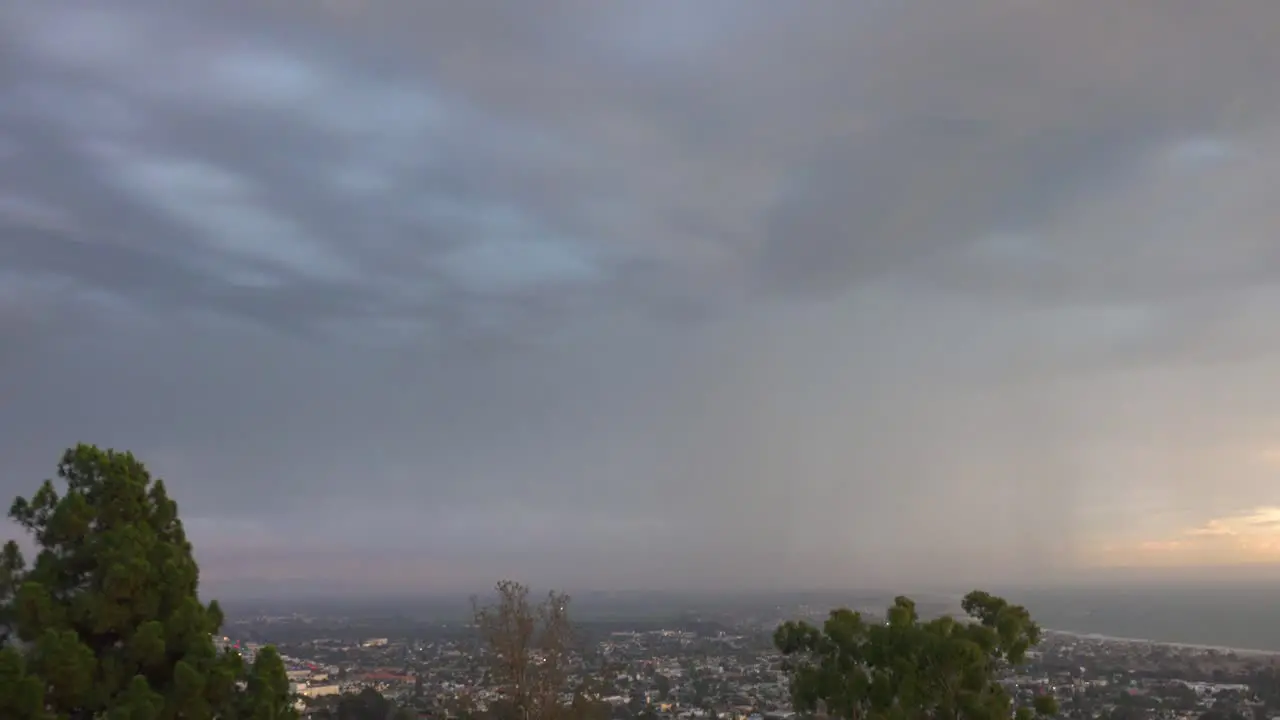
(1182,645)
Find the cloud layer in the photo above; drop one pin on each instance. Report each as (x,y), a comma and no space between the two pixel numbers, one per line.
(717,294)
(1244,538)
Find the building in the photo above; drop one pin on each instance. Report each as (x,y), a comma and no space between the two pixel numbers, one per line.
(315,691)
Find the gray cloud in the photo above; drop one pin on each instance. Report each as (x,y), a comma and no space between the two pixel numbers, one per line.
(725,294)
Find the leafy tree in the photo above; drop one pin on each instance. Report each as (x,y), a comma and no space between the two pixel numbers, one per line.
(1265,684)
(909,669)
(266,692)
(528,646)
(106,622)
(368,704)
(663,686)
(585,707)
(588,703)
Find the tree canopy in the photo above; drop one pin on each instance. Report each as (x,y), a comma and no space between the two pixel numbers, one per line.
(106,621)
(905,668)
(528,647)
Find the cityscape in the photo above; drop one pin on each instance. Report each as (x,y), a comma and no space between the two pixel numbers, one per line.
(728,668)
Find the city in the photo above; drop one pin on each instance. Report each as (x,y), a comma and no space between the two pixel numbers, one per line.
(725,669)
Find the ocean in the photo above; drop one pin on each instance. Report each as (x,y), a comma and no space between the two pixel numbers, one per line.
(1245,616)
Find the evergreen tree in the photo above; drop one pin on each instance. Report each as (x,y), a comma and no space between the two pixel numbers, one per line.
(106,622)
(909,669)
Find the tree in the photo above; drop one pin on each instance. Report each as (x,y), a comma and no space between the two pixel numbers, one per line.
(1265,684)
(528,647)
(21,694)
(106,622)
(368,704)
(908,669)
(588,702)
(266,693)
(662,684)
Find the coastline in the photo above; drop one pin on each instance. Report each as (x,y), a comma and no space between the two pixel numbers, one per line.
(1253,652)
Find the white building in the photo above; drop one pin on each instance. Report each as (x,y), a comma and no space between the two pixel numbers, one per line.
(315,691)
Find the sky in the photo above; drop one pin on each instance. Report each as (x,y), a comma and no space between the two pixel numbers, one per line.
(404,296)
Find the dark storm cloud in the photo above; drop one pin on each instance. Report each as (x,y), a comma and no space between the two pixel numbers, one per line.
(624,297)
(1052,109)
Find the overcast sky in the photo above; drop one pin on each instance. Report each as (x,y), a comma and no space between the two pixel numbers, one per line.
(417,295)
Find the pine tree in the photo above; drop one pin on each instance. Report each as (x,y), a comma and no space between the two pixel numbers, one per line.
(106,622)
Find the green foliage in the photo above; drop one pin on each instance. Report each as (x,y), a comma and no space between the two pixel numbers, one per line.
(266,694)
(368,704)
(908,669)
(21,693)
(1265,685)
(106,622)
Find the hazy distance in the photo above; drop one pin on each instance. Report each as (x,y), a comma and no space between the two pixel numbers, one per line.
(407,297)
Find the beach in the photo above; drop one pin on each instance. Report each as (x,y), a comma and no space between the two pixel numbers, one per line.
(1143,641)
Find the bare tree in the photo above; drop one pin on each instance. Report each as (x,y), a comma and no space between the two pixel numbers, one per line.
(528,648)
